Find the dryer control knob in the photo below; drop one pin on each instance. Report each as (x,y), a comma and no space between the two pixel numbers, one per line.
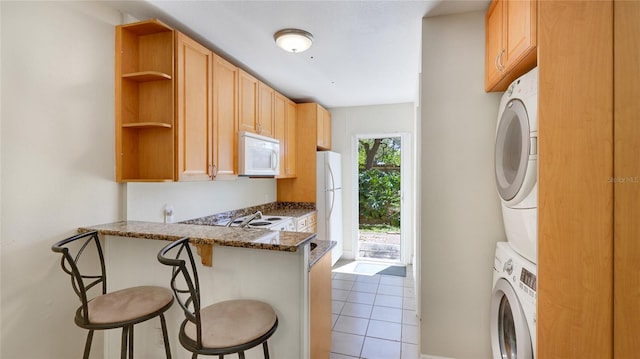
(508,266)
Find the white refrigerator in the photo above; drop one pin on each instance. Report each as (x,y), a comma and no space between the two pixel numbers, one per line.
(329,200)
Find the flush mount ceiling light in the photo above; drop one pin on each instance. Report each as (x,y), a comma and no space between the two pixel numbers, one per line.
(293,40)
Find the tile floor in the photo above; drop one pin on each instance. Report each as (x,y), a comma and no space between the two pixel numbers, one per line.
(374,317)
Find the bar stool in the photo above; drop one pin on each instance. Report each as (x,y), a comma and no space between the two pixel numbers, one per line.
(120,309)
(222,328)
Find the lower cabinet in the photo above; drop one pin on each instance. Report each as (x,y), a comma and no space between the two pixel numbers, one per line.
(307,223)
(320,308)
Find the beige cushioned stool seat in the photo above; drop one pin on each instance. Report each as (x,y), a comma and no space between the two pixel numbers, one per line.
(128,304)
(232,323)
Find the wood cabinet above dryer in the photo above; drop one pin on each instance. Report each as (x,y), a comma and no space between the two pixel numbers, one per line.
(510,43)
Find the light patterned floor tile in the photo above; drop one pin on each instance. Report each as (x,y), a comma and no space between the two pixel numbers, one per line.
(357,310)
(351,325)
(347,344)
(384,330)
(380,349)
(387,314)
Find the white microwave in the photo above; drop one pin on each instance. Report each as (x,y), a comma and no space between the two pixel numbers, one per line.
(258,155)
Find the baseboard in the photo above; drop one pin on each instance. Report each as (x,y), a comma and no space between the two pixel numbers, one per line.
(425,356)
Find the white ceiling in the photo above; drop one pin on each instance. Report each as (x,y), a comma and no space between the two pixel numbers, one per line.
(364,52)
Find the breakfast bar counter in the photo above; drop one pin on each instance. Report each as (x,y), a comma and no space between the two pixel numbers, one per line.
(237,263)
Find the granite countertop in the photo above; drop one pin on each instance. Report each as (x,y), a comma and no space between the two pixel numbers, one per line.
(323,247)
(257,238)
(290,212)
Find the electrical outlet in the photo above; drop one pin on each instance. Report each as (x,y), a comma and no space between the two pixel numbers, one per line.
(168,213)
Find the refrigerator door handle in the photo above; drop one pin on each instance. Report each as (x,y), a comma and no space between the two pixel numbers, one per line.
(333,181)
(333,201)
(332,189)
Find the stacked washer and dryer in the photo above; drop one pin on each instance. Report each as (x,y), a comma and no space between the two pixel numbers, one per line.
(513,303)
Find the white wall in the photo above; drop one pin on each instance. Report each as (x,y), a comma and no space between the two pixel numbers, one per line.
(146,201)
(57,164)
(57,168)
(347,122)
(460,212)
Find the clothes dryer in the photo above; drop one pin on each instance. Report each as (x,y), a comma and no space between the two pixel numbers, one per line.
(513,305)
(516,163)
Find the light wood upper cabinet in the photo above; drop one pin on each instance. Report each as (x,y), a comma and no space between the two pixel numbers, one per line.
(324,129)
(494,28)
(248,102)
(179,108)
(510,43)
(311,119)
(256,106)
(144,111)
(284,111)
(291,128)
(225,118)
(265,123)
(194,74)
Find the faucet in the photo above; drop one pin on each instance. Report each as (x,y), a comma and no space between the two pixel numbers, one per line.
(246,221)
(257,215)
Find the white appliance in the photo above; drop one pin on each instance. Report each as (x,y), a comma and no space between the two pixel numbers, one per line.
(513,305)
(274,223)
(329,200)
(258,156)
(516,163)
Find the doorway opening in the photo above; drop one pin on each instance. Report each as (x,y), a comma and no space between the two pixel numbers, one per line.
(380,198)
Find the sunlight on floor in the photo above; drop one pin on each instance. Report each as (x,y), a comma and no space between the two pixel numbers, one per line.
(374,315)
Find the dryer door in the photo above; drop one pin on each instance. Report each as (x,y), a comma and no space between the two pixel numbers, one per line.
(510,337)
(512,149)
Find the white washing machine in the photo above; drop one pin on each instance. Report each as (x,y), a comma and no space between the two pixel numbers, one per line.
(513,305)
(516,163)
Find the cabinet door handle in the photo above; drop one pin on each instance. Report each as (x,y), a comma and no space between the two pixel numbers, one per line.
(213,171)
(499,61)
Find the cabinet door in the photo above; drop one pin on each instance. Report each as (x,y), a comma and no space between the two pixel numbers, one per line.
(265,110)
(493,61)
(290,125)
(319,128)
(320,308)
(324,128)
(248,102)
(194,64)
(326,118)
(519,31)
(225,118)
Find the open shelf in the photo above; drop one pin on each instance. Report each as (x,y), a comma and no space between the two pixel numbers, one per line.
(144,76)
(147,125)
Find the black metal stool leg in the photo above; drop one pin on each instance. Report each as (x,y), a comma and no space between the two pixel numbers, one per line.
(123,345)
(131,342)
(241,355)
(265,349)
(87,345)
(165,336)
